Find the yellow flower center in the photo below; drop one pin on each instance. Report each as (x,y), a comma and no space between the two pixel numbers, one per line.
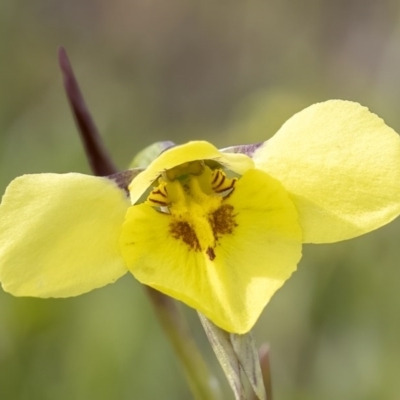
(193,195)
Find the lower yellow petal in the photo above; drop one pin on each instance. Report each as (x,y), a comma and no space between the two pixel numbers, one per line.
(231,283)
(59,234)
(341,165)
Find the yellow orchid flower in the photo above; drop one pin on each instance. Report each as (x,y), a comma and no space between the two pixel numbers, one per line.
(220,230)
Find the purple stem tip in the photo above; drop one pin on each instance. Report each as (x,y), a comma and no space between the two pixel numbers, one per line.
(98,157)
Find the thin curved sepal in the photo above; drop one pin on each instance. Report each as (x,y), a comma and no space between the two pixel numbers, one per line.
(237,354)
(247,354)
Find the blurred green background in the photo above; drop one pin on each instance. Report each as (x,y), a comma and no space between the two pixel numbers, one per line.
(229,72)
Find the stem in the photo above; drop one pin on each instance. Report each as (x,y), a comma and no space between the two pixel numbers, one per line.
(203,385)
(98,157)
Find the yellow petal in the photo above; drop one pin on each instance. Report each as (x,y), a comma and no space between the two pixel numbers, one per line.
(247,266)
(59,234)
(177,155)
(341,165)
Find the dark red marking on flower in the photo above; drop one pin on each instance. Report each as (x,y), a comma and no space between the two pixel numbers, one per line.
(216,177)
(160,202)
(231,186)
(223,221)
(221,182)
(211,254)
(183,231)
(158,191)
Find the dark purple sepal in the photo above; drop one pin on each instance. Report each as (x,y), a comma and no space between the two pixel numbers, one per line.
(248,149)
(124,178)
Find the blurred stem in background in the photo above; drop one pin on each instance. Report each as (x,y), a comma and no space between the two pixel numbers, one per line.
(203,384)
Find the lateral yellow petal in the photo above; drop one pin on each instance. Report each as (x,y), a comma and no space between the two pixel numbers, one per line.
(341,165)
(59,234)
(191,151)
(247,266)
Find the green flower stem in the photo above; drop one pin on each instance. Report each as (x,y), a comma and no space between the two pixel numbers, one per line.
(202,383)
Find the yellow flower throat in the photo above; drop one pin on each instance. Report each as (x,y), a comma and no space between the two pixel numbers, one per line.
(194,196)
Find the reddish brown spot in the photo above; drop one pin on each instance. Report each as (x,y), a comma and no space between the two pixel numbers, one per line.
(211,254)
(183,231)
(222,221)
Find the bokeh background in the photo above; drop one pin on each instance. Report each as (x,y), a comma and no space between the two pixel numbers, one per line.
(229,72)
